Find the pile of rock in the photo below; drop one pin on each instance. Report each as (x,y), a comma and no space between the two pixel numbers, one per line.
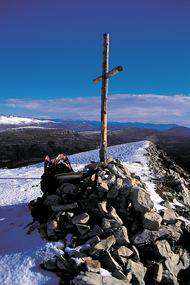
(109,230)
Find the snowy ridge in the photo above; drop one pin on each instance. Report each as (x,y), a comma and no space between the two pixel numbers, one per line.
(12,120)
(21,254)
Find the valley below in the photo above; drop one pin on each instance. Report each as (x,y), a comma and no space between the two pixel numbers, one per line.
(24,146)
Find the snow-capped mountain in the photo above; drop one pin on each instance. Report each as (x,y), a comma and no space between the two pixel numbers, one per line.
(20,121)
(21,254)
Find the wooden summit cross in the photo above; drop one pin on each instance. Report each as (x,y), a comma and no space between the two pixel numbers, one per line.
(106,74)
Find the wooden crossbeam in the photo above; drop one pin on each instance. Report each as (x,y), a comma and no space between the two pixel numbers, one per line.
(112,72)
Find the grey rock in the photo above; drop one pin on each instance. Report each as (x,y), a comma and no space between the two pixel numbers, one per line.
(96,231)
(102,207)
(158,272)
(123,251)
(60,215)
(127,186)
(93,196)
(145,237)
(87,278)
(119,183)
(116,171)
(122,254)
(63,264)
(138,271)
(113,192)
(52,200)
(172,265)
(108,262)
(109,225)
(185,258)
(66,207)
(69,215)
(169,216)
(101,173)
(127,183)
(123,203)
(67,188)
(75,262)
(99,180)
(123,168)
(69,239)
(119,275)
(77,252)
(105,244)
(172,231)
(109,280)
(93,240)
(93,165)
(103,186)
(121,236)
(90,278)
(141,200)
(169,279)
(93,177)
(83,229)
(93,265)
(171,259)
(136,225)
(52,225)
(113,214)
(152,221)
(121,260)
(50,264)
(185,193)
(135,256)
(50,233)
(81,219)
(111,179)
(163,248)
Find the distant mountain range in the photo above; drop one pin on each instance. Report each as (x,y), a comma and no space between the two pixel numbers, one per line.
(7,122)
(28,140)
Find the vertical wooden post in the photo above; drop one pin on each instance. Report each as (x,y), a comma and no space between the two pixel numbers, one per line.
(104,98)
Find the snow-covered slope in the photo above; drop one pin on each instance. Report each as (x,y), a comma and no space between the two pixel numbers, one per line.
(21,254)
(12,120)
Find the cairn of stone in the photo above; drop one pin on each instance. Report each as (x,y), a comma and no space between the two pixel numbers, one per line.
(109,231)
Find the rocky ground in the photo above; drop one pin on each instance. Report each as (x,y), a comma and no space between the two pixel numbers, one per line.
(109,228)
(172,181)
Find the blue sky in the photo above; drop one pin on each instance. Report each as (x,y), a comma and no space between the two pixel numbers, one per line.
(51,50)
